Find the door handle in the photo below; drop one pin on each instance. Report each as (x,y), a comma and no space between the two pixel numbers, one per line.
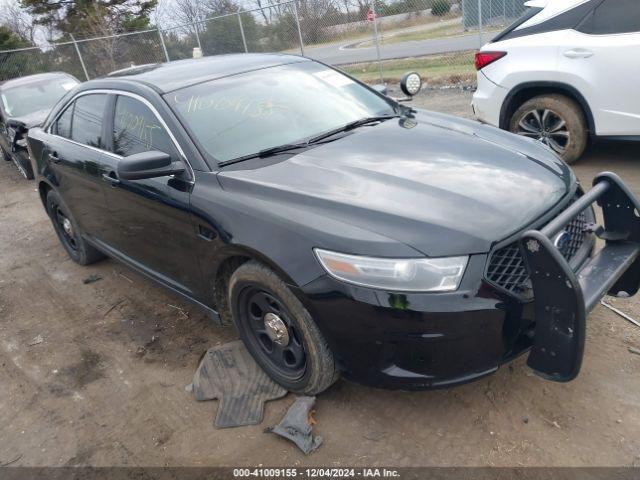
(578,53)
(110,178)
(206,233)
(53,158)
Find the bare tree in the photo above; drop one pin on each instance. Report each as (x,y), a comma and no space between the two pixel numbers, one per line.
(18,21)
(190,13)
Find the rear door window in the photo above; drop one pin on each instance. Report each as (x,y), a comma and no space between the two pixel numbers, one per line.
(137,129)
(88,115)
(611,17)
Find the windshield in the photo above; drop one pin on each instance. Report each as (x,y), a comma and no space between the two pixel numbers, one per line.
(241,115)
(34,96)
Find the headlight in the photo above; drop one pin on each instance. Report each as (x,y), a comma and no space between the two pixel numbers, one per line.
(403,274)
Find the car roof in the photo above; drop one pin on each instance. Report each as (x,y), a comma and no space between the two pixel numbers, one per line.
(167,77)
(20,81)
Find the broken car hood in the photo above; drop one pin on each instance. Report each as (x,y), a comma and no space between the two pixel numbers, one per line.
(440,184)
(34,119)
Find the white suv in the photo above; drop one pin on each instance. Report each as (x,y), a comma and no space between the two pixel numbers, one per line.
(566,71)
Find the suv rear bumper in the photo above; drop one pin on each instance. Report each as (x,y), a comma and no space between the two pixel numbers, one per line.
(487,100)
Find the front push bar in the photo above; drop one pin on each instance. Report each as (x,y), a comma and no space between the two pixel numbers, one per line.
(563,299)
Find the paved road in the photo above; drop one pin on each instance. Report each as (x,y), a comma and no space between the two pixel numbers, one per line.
(340,54)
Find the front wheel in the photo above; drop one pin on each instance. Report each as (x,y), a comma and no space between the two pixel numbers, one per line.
(556,121)
(279,332)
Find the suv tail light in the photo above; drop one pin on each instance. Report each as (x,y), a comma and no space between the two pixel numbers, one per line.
(486,58)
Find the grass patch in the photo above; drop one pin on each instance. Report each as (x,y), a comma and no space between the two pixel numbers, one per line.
(436,70)
(439,32)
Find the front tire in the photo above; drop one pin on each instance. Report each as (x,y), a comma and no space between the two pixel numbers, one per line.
(68,232)
(556,121)
(279,332)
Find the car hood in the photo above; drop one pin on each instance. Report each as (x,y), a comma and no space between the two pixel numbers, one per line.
(440,184)
(34,119)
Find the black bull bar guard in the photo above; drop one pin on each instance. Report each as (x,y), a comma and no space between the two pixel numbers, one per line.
(564,298)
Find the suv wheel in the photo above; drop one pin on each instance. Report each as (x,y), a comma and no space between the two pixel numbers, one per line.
(279,332)
(68,233)
(554,120)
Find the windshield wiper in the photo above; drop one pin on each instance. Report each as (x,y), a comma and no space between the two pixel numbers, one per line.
(351,126)
(267,152)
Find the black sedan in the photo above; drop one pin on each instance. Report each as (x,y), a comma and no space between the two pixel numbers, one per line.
(342,232)
(25,103)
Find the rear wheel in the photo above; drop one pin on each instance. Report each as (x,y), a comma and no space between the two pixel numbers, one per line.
(68,232)
(556,121)
(279,332)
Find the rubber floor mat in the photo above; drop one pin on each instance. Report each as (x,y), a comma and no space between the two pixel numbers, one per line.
(229,373)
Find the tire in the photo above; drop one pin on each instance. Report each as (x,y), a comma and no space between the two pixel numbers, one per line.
(70,236)
(304,364)
(22,161)
(542,118)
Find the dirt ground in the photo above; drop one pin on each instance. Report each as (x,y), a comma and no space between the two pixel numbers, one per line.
(94,374)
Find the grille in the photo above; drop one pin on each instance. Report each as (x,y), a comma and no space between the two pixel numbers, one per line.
(506,267)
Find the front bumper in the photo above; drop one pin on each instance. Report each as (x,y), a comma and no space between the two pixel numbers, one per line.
(421,341)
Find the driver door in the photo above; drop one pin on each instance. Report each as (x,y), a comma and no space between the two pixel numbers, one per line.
(151,224)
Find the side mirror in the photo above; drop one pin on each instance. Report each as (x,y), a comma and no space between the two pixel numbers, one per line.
(410,84)
(380,88)
(148,165)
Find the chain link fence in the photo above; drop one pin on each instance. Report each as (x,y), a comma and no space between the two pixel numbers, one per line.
(375,40)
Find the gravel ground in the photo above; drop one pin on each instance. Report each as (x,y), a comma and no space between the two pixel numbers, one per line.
(94,374)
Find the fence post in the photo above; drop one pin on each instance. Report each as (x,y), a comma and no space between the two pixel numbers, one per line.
(164,47)
(480,22)
(84,68)
(295,12)
(197,30)
(377,40)
(244,40)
